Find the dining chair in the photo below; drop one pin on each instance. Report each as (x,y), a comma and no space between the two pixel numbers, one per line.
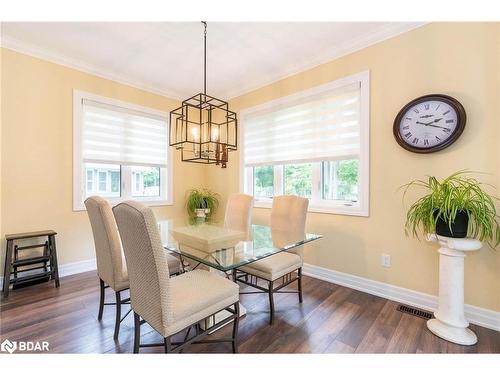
(170,305)
(111,267)
(288,219)
(238,213)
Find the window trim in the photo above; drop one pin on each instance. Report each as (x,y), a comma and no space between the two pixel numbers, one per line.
(361,209)
(79,175)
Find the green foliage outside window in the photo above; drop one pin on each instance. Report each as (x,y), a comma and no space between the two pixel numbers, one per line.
(151,178)
(347,172)
(298,180)
(264,181)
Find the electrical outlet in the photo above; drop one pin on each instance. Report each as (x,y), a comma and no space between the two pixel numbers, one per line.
(385,260)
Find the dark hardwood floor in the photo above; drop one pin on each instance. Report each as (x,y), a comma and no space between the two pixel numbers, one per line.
(332,319)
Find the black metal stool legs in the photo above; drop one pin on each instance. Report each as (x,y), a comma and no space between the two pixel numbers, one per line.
(7,268)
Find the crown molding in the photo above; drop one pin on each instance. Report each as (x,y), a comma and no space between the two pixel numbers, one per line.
(60,59)
(390,31)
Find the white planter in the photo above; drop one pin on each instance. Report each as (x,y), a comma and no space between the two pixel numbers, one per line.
(201,213)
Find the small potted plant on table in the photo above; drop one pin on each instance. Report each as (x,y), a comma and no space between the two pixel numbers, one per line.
(454,207)
(201,204)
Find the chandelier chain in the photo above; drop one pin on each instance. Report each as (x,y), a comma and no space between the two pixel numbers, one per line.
(204,58)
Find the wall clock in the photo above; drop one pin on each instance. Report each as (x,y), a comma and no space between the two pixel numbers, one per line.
(429,123)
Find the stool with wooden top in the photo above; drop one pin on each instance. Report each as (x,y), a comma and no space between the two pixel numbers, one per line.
(15,264)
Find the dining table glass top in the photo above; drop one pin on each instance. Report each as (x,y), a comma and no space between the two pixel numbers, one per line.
(224,249)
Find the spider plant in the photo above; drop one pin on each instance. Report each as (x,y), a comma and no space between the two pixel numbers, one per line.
(202,199)
(446,200)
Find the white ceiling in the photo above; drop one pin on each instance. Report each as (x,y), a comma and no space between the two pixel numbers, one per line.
(167,57)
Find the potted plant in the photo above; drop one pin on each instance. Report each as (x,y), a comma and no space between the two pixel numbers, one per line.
(454,207)
(201,203)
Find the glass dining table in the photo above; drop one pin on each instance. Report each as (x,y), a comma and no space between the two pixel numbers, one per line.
(223,249)
(219,249)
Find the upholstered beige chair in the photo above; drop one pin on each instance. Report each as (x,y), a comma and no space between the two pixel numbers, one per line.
(288,219)
(238,212)
(111,267)
(169,305)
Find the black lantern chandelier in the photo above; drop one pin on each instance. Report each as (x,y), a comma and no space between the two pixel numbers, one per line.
(203,128)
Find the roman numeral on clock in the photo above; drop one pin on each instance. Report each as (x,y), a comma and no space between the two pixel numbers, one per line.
(449,121)
(437,138)
(408,135)
(426,142)
(415,141)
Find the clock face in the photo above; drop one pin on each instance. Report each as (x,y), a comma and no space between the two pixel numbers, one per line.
(429,123)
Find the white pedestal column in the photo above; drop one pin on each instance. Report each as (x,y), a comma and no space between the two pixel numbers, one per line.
(450,323)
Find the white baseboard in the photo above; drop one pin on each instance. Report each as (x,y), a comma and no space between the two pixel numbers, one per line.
(476,315)
(77,267)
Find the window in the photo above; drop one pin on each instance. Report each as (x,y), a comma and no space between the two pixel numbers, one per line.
(313,144)
(120,151)
(147,181)
(264,181)
(340,180)
(90,181)
(298,180)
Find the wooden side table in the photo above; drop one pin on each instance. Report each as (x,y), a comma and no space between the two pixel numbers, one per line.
(47,261)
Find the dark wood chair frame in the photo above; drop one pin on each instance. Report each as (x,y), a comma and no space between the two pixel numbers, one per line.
(118,303)
(178,347)
(242,277)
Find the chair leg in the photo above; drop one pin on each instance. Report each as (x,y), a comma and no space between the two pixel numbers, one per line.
(300,284)
(137,332)
(167,344)
(101,299)
(118,314)
(271,303)
(235,327)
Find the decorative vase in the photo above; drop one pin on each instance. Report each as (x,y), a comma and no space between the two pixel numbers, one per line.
(458,227)
(201,213)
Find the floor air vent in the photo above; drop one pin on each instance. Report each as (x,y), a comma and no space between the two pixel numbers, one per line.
(414,311)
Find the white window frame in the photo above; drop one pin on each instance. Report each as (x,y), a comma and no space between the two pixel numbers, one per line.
(316,204)
(79,175)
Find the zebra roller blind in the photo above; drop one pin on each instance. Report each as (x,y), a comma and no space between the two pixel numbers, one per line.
(322,125)
(112,134)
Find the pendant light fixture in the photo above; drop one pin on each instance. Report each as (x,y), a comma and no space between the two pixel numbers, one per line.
(203,128)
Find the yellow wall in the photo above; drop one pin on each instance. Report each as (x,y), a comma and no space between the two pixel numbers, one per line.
(37,154)
(459,59)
